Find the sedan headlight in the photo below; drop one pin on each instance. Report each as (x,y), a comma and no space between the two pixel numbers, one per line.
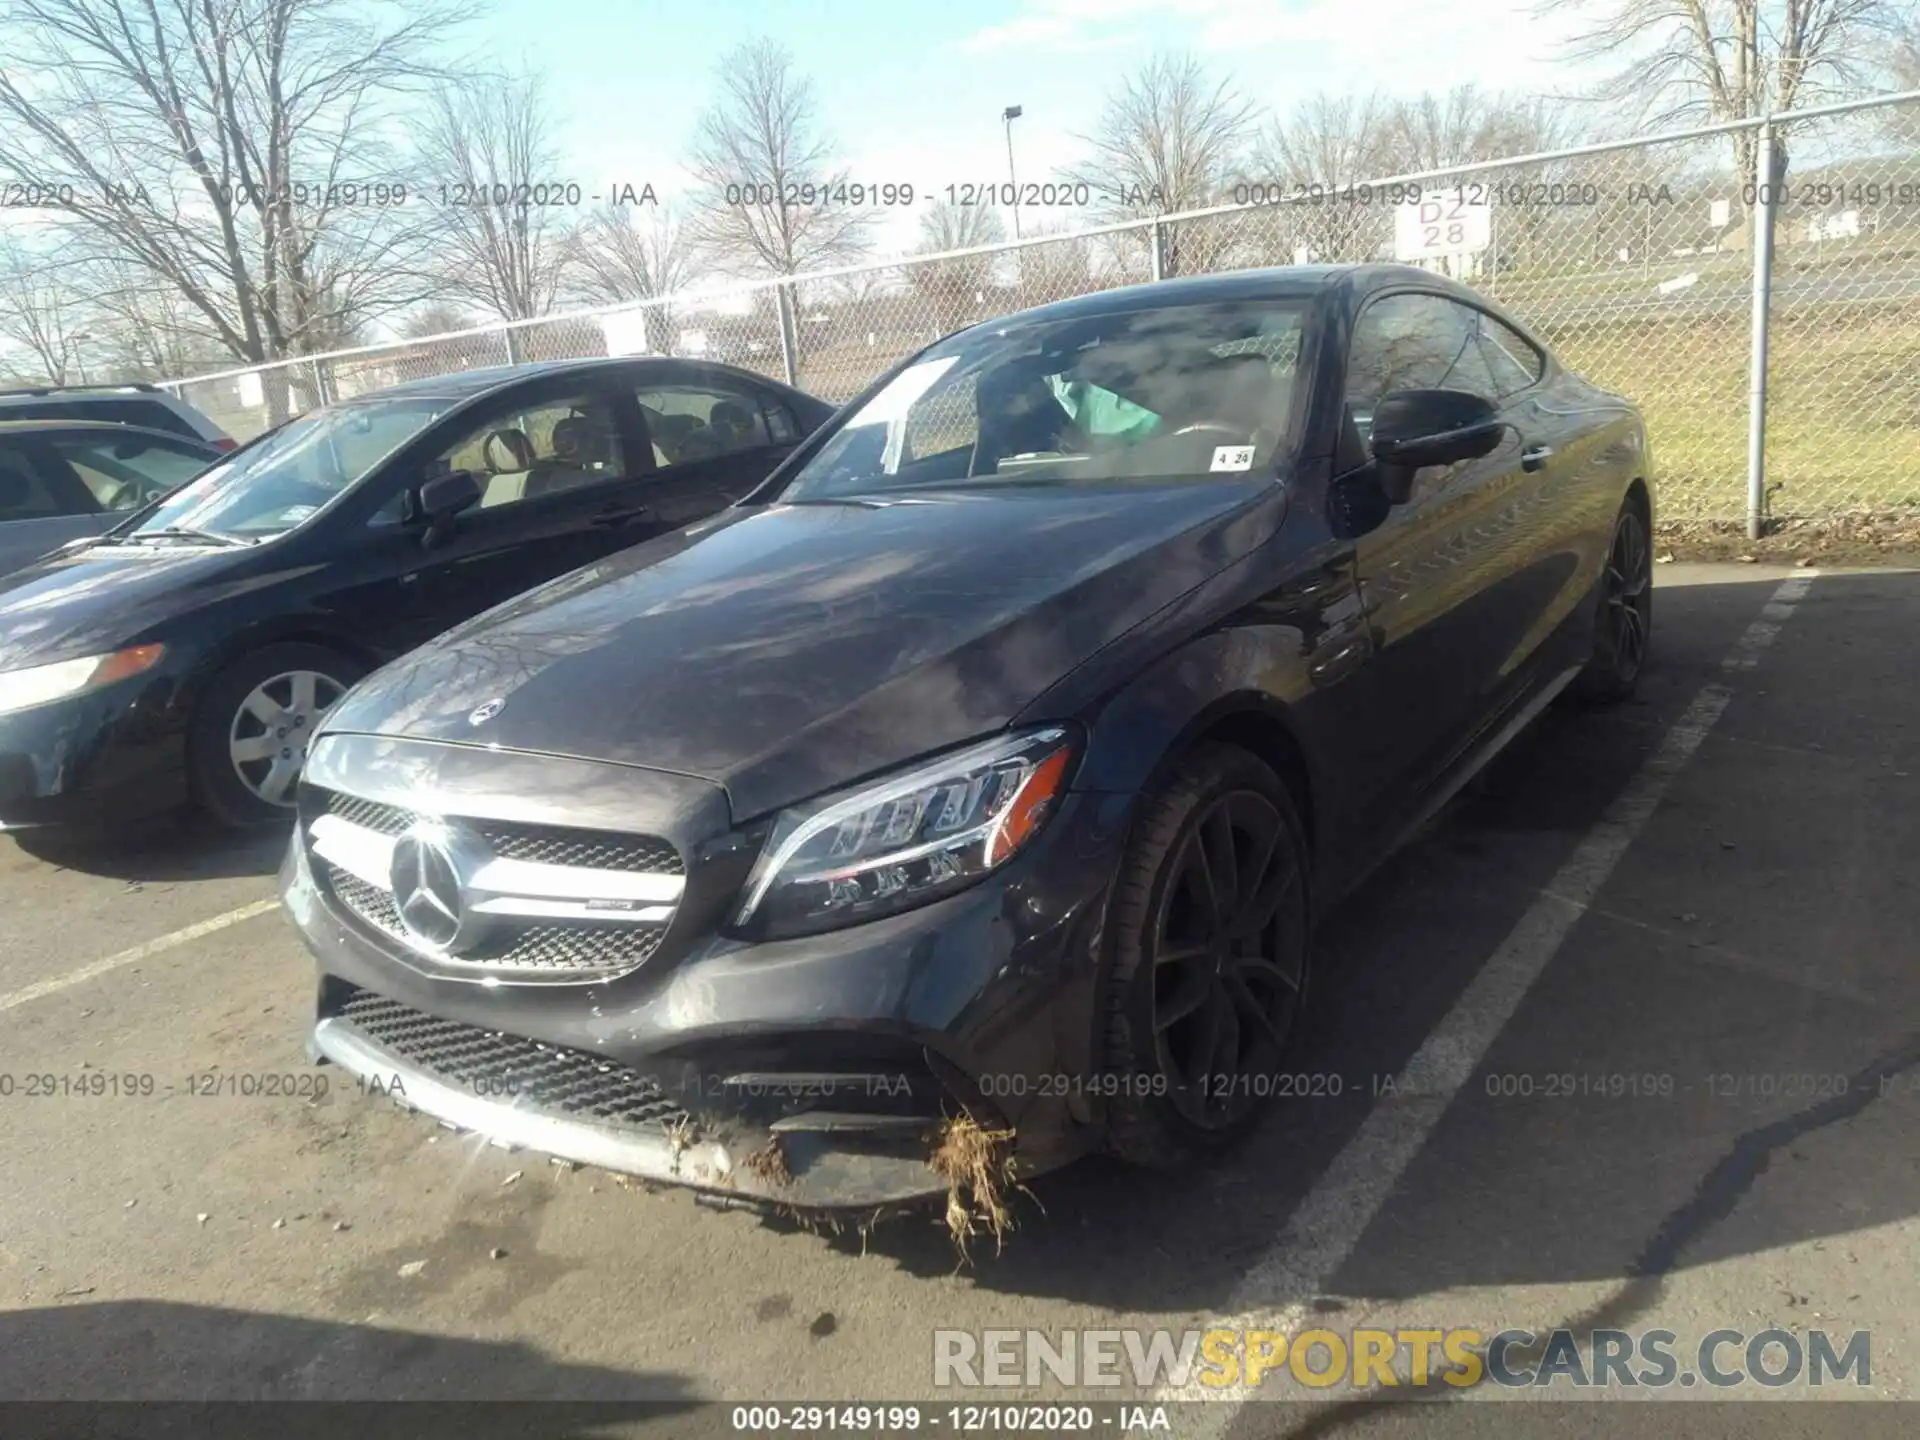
(39,684)
(907,838)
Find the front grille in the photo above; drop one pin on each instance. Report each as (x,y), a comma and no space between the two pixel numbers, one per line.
(509,1068)
(572,952)
(512,840)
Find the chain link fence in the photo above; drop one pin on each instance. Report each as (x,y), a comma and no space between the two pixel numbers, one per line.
(1646,265)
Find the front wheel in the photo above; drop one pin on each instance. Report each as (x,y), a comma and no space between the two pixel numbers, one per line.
(249,733)
(1624,625)
(1210,930)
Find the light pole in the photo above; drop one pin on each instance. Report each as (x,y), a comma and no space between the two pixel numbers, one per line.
(1009,115)
(79,359)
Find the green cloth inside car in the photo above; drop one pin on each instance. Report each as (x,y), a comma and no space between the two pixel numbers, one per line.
(1102,413)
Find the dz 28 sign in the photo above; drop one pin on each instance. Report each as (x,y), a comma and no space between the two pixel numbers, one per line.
(1443,222)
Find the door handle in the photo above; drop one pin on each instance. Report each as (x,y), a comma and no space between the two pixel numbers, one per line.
(1535,457)
(611,519)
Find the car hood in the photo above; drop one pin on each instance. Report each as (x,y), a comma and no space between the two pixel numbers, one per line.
(103,596)
(795,648)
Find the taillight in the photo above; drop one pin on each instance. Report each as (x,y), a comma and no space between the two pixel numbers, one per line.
(226,443)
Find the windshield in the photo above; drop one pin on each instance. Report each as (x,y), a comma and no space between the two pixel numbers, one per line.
(288,476)
(1170,393)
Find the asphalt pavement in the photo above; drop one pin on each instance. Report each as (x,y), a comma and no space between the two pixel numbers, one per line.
(1708,890)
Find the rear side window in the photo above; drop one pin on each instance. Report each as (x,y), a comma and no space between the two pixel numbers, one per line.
(1512,359)
(24,492)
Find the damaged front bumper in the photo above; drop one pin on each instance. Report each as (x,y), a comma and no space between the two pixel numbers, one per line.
(830,1140)
(818,1074)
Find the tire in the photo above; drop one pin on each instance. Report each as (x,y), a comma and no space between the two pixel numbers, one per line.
(232,790)
(1623,628)
(1166,954)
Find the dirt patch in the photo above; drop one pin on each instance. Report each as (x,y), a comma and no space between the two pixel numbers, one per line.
(1890,538)
(977,1165)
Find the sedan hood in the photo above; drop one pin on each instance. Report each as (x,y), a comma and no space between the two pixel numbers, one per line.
(104,596)
(796,648)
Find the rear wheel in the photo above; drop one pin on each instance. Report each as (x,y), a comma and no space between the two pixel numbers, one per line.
(1624,626)
(249,734)
(1210,935)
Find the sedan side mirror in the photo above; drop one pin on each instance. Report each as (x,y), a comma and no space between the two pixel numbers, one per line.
(439,500)
(1412,428)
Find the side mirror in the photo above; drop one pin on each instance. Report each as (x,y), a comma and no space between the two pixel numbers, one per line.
(439,500)
(1412,428)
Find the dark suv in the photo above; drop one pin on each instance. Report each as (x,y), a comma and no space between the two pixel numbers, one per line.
(136,404)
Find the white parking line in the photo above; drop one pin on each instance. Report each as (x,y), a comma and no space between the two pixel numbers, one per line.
(1326,1226)
(130,957)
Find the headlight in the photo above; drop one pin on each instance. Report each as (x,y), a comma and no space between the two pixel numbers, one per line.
(906,839)
(23,689)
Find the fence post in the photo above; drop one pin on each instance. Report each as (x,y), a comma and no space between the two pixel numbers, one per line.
(1158,250)
(789,348)
(322,386)
(510,339)
(1762,217)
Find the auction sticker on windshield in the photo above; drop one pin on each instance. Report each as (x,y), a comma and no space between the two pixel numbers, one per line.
(1232,457)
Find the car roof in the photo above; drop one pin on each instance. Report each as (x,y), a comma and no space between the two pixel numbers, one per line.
(80,392)
(465,384)
(112,427)
(1230,286)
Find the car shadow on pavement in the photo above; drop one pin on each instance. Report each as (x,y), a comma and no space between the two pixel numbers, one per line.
(160,1351)
(165,850)
(1741,985)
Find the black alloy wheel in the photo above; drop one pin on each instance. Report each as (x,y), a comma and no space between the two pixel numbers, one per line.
(1625,622)
(1212,936)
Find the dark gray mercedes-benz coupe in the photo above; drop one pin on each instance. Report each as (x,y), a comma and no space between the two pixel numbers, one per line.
(990,763)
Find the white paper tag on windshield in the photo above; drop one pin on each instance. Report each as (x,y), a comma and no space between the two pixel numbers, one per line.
(1232,457)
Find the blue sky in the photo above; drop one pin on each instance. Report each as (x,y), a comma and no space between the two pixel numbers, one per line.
(913,91)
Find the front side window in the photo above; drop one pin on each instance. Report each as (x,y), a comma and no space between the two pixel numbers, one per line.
(1414,342)
(288,476)
(127,472)
(1178,392)
(540,448)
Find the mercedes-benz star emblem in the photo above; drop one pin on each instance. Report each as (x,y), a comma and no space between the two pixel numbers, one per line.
(431,867)
(483,713)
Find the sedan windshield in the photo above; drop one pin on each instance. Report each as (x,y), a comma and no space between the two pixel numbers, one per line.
(286,477)
(1170,393)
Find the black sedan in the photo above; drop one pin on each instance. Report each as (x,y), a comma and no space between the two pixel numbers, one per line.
(190,651)
(968,796)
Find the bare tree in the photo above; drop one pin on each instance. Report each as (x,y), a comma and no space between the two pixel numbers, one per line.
(39,319)
(504,238)
(237,152)
(436,317)
(769,180)
(1308,159)
(626,252)
(1678,61)
(956,289)
(1058,270)
(1168,139)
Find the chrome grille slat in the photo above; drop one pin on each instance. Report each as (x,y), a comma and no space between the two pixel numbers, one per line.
(579,951)
(511,1068)
(515,840)
(525,949)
